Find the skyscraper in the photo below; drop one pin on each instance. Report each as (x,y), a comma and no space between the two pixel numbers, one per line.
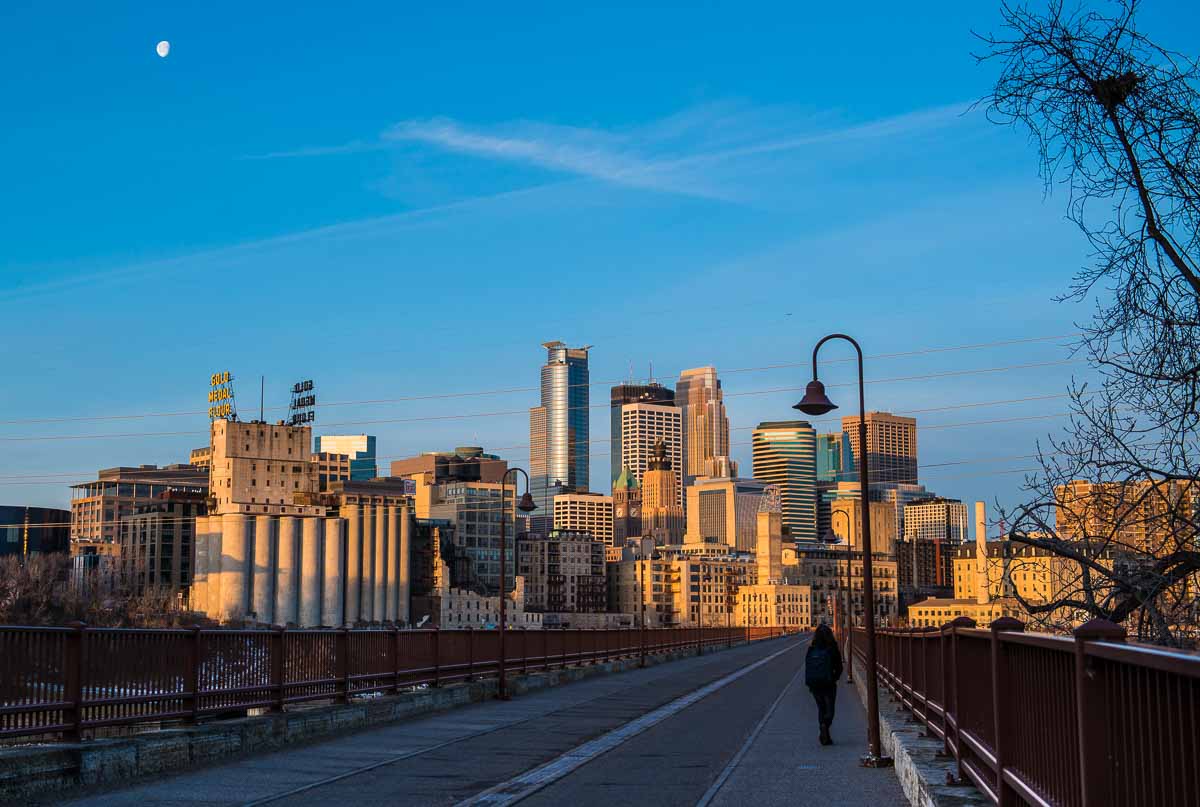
(643,427)
(558,429)
(835,464)
(705,425)
(662,517)
(359,447)
(835,458)
(891,446)
(628,393)
(785,455)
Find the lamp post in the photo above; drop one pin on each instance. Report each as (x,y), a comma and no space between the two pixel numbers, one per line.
(847,619)
(816,402)
(525,505)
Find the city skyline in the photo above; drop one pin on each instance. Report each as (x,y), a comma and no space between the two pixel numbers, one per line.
(978,484)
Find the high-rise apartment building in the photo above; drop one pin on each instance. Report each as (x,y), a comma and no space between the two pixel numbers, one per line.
(630,393)
(724,511)
(785,455)
(585,512)
(643,427)
(705,425)
(360,448)
(891,446)
(559,428)
(1156,517)
(662,517)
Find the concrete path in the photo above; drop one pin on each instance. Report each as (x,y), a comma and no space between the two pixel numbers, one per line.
(733,727)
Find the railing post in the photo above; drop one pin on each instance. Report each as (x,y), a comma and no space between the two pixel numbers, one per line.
(959,686)
(277,688)
(944,655)
(470,654)
(191,682)
(437,657)
(397,643)
(1000,703)
(341,654)
(74,658)
(524,650)
(1092,716)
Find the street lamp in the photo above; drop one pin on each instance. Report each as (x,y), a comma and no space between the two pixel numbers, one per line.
(816,403)
(847,618)
(525,505)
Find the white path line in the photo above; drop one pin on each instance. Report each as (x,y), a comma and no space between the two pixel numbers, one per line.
(716,786)
(528,783)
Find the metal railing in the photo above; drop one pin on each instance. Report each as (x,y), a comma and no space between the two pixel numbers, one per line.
(1052,720)
(69,681)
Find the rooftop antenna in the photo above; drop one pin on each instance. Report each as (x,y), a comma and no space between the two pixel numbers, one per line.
(262,391)
(630,371)
(651,372)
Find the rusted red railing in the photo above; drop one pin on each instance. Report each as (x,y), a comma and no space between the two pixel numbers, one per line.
(66,682)
(1051,720)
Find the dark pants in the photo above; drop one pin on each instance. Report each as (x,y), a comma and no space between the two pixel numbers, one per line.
(826,698)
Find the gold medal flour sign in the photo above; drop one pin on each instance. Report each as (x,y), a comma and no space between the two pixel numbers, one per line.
(220,396)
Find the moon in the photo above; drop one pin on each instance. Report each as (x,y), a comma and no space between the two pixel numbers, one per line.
(163,48)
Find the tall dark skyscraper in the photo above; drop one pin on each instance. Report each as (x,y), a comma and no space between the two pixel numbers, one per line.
(650,392)
(558,429)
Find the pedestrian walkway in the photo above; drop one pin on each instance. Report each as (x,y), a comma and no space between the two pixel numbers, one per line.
(664,735)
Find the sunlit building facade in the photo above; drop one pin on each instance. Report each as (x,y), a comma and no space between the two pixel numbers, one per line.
(559,430)
(630,393)
(891,446)
(705,425)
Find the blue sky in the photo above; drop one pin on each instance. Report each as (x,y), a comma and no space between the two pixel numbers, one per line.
(403,201)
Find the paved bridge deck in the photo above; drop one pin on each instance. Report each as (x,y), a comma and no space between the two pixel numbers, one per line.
(729,728)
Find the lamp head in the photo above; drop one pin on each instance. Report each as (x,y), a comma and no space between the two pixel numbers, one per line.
(815,401)
(526,504)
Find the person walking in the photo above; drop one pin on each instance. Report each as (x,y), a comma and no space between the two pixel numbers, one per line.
(822,669)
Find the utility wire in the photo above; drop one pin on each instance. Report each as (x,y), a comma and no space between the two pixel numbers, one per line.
(515,412)
(511,390)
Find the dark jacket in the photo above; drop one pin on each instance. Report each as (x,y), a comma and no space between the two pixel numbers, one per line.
(822,665)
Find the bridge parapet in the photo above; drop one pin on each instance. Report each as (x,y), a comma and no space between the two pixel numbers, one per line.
(1044,719)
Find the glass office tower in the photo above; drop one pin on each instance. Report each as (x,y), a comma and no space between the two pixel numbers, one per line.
(785,455)
(558,429)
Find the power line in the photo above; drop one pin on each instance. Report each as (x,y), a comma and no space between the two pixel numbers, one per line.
(515,412)
(48,475)
(512,390)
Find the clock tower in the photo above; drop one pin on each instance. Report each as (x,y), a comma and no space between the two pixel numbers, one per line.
(627,508)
